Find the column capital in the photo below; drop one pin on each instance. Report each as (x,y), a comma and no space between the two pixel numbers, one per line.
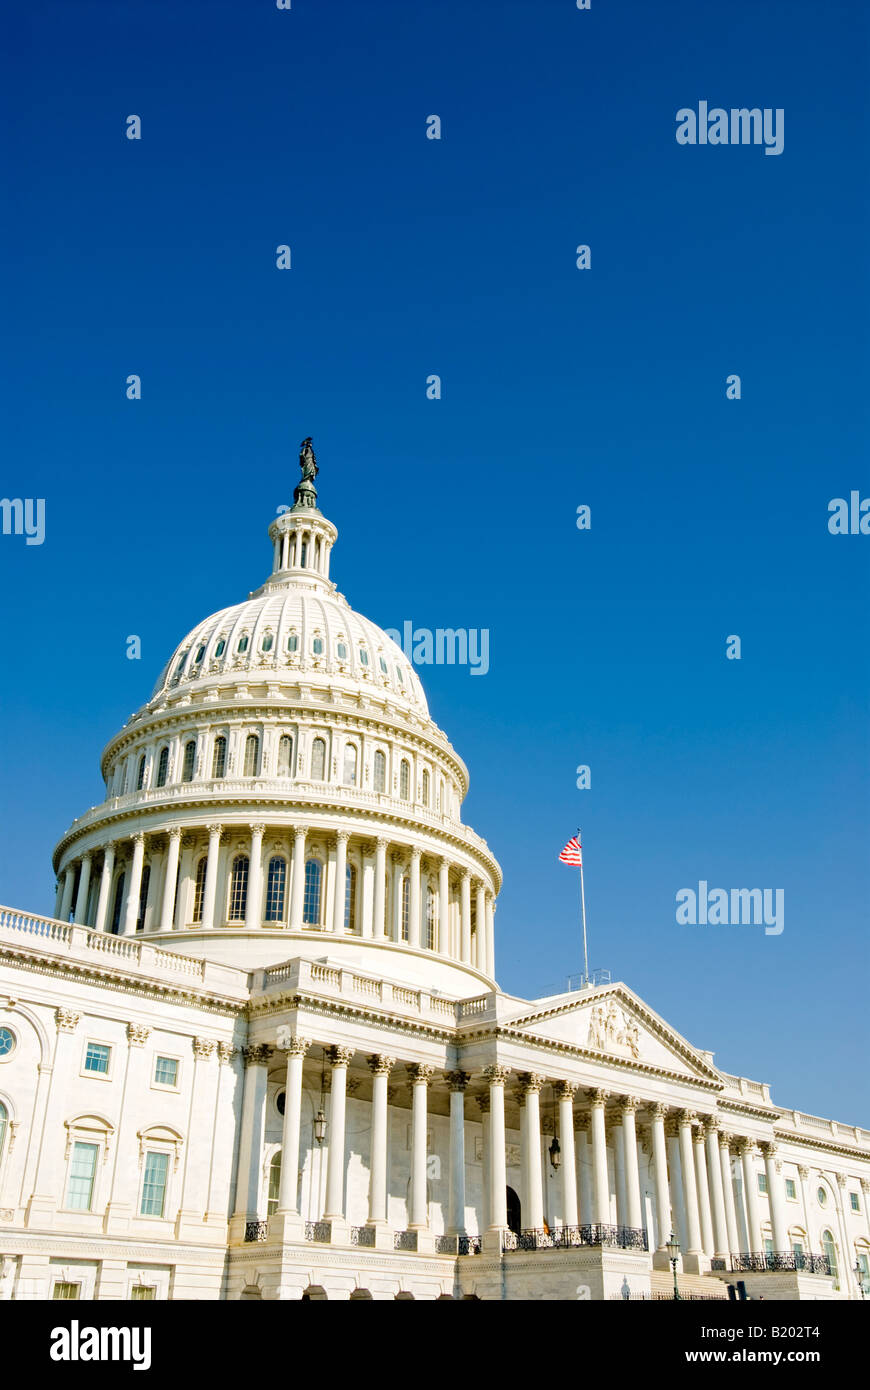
(138,838)
(745,1145)
(710,1124)
(257,1056)
(339,1056)
(137,1034)
(67,1020)
(89,854)
(296,1046)
(803,1174)
(175,832)
(628,1105)
(841,1180)
(496,1075)
(300,831)
(659,1111)
(204,1047)
(483,1102)
(214,828)
(686,1117)
(457,1080)
(530,1081)
(726,1140)
(416,854)
(420,1073)
(865,1184)
(380,1064)
(381,843)
(259,828)
(225,1052)
(465,875)
(768,1148)
(565,1090)
(598,1098)
(342,837)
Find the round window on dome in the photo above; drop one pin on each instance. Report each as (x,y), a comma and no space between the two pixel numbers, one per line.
(317,646)
(243,644)
(293,642)
(341,650)
(7,1043)
(267,642)
(363,656)
(220,648)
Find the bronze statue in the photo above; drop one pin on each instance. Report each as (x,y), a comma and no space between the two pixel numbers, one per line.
(308,461)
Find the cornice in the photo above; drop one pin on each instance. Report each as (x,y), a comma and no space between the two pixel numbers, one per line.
(316,1004)
(27,1240)
(806,1141)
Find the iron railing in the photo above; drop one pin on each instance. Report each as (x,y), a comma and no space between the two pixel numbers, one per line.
(362,1235)
(320,1231)
(773,1260)
(256,1230)
(567,1237)
(405,1240)
(457,1245)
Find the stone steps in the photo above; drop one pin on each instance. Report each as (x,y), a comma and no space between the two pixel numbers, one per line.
(662,1282)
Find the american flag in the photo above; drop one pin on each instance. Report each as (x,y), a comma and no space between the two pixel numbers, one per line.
(572,854)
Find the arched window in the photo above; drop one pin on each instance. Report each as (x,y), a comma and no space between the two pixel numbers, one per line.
(274,1184)
(219,757)
(162,766)
(239,888)
(311,906)
(425,788)
(350,898)
(405,780)
(380,772)
(304,555)
(199,889)
(430,920)
(341,651)
(243,644)
(293,642)
(221,647)
(830,1249)
(285,755)
(199,655)
(318,760)
(406,902)
(252,756)
(317,646)
(350,757)
(140,775)
(189,761)
(118,903)
(363,656)
(143,897)
(275,882)
(266,644)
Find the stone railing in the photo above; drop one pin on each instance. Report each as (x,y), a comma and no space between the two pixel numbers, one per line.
(345,983)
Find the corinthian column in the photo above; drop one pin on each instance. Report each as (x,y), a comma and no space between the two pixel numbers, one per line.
(444,908)
(776,1198)
(419,1212)
(530,1088)
(600,1183)
(497,1076)
(717,1194)
(660,1176)
(339,1058)
(565,1093)
(381,1067)
(287,1191)
(457,1082)
(253,913)
(378,924)
(211,869)
(84,885)
(465,916)
(132,908)
(105,888)
(340,894)
(167,907)
(632,1175)
(746,1149)
(297,886)
(480,929)
(690,1189)
(414,899)
(728,1194)
(703,1192)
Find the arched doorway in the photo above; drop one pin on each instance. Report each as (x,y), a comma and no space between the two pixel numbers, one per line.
(514,1212)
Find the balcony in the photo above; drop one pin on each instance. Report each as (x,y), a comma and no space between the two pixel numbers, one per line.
(570,1237)
(777,1260)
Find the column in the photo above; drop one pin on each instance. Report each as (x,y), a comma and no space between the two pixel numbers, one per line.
(678,1201)
(379,926)
(717,1193)
(497,1076)
(297,877)
(419,1206)
(728,1194)
(47,1194)
(194,1188)
(220,1166)
(127,1150)
(69,879)
(703,1191)
(253,901)
(750,1197)
(600,1184)
(365,894)
(664,1224)
(58,897)
(465,917)
(340,894)
(381,1067)
(105,888)
(414,900)
(632,1173)
(616,1144)
(456,1084)
(565,1094)
(170,879)
(251,1140)
(584,1168)
(339,1057)
(490,936)
(690,1188)
(211,872)
(131,910)
(444,907)
(81,917)
(287,1191)
(776,1199)
(396,924)
(530,1087)
(485,1139)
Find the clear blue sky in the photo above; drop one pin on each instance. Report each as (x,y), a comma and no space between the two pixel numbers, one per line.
(560,387)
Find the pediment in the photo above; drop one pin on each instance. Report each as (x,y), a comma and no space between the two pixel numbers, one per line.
(613,1024)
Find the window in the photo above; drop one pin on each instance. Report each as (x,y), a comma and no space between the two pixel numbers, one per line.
(293,642)
(199,889)
(311,907)
(7,1042)
(219,758)
(221,647)
(853,1201)
(243,644)
(399,677)
(239,888)
(285,755)
(380,772)
(318,760)
(280,1102)
(118,903)
(275,881)
(405,780)
(180,667)
(350,898)
(768,1245)
(383,665)
(252,756)
(830,1250)
(317,646)
(143,897)
(200,654)
(430,920)
(140,775)
(4,1117)
(790,1189)
(266,644)
(341,651)
(425,788)
(166,1071)
(83,1167)
(141,1293)
(274,1184)
(797,1247)
(863,1263)
(304,555)
(97,1056)
(162,767)
(822,1197)
(154,1184)
(189,761)
(762,1184)
(66,1290)
(350,758)
(406,901)
(363,657)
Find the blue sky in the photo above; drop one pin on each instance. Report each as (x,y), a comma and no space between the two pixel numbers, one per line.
(560,387)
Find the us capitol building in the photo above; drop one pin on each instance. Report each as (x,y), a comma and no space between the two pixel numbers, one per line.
(259,1052)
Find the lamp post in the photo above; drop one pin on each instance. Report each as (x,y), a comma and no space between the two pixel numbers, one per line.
(859,1274)
(673,1249)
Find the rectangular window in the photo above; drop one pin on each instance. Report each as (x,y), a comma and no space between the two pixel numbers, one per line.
(853,1198)
(790,1189)
(166,1071)
(154,1184)
(797,1247)
(97,1058)
(141,1293)
(762,1183)
(63,1290)
(81,1177)
(768,1246)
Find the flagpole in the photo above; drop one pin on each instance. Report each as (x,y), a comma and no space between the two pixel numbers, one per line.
(583,914)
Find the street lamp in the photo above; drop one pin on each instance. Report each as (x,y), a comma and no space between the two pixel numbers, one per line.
(673,1249)
(320,1117)
(859,1274)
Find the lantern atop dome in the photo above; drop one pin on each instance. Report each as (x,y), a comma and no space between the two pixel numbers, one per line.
(305,493)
